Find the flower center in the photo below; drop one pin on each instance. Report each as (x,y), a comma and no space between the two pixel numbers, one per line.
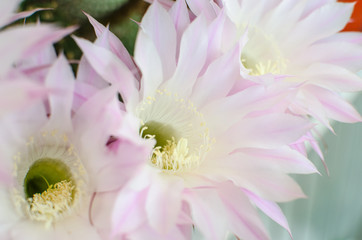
(256,68)
(49,189)
(158,131)
(261,55)
(43,174)
(51,177)
(181,135)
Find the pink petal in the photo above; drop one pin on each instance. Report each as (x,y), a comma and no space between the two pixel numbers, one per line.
(202,7)
(313,5)
(216,32)
(82,92)
(180,16)
(218,79)
(87,74)
(48,38)
(163,202)
(274,186)
(335,106)
(269,208)
(18,94)
(345,54)
(101,209)
(333,77)
(37,65)
(206,210)
(149,62)
(129,209)
(233,108)
(24,14)
(350,37)
(242,217)
(60,78)
(126,157)
(244,171)
(166,3)
(268,131)
(158,25)
(128,213)
(284,159)
(307,103)
(192,57)
(37,37)
(246,10)
(323,22)
(6,11)
(108,66)
(116,46)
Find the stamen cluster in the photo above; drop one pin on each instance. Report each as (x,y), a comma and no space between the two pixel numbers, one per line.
(51,204)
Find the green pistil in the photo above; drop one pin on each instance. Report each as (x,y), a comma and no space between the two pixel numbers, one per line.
(44,173)
(162,132)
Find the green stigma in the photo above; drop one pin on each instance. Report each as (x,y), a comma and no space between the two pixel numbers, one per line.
(43,174)
(161,132)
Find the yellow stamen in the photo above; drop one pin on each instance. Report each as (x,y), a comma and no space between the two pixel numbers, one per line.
(52,203)
(270,66)
(174,156)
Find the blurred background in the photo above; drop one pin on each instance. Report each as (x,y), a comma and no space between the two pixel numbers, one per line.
(121,15)
(333,210)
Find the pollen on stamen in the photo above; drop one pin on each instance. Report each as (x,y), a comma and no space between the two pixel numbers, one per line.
(52,203)
(174,156)
(270,66)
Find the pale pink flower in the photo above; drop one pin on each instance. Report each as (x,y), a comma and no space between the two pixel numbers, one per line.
(22,71)
(298,43)
(215,154)
(19,45)
(64,167)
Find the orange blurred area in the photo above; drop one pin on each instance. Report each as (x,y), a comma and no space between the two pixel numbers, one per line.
(356,19)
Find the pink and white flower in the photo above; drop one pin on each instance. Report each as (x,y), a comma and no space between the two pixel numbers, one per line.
(215,155)
(299,44)
(63,165)
(22,71)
